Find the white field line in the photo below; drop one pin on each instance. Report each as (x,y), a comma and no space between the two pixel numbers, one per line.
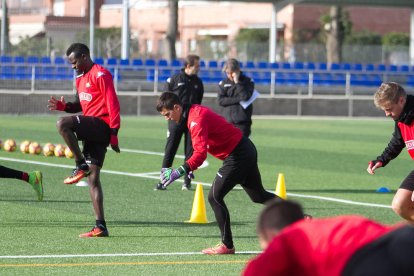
(155,175)
(113,255)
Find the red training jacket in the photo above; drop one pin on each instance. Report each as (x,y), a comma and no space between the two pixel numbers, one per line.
(210,133)
(316,247)
(97,95)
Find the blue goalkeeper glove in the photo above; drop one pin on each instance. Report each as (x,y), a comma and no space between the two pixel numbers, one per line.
(169,175)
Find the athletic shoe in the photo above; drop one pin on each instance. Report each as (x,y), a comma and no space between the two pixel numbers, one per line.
(35,180)
(159,187)
(218,250)
(96,232)
(186,187)
(77,174)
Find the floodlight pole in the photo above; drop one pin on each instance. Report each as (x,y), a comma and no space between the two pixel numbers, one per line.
(91,27)
(125,30)
(3,27)
(273,34)
(412,38)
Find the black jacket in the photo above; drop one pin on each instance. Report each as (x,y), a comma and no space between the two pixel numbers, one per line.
(189,89)
(397,144)
(229,96)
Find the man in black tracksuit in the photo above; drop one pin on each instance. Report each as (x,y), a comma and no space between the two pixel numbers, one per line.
(235,88)
(189,88)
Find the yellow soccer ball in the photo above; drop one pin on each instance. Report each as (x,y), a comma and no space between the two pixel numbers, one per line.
(24,146)
(60,150)
(35,148)
(1,144)
(9,145)
(49,149)
(68,153)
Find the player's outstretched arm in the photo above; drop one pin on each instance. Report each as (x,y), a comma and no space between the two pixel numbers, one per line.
(54,104)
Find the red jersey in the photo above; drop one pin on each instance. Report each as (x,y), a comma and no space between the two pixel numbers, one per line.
(210,133)
(316,247)
(97,95)
(407,133)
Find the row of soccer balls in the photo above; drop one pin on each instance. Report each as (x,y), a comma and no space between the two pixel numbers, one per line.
(48,149)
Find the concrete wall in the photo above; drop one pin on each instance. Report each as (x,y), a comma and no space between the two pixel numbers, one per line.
(144,104)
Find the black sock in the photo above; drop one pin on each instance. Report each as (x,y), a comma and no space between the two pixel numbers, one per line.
(101,224)
(80,162)
(229,245)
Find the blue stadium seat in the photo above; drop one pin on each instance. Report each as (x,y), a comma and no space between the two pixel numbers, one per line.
(381,67)
(298,65)
(99,60)
(369,67)
(309,66)
(285,65)
(6,72)
(45,60)
(335,66)
(111,61)
(149,62)
(357,67)
(249,64)
(23,72)
(274,65)
(162,62)
(59,60)
(124,62)
(262,64)
(410,81)
(64,73)
(6,59)
(177,63)
(18,59)
(48,73)
(346,66)
(321,66)
(137,62)
(32,60)
(404,68)
(212,64)
(393,68)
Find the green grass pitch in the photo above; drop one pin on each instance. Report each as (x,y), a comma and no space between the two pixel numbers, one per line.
(322,160)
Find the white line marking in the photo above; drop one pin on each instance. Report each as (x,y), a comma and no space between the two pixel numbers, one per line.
(155,175)
(113,255)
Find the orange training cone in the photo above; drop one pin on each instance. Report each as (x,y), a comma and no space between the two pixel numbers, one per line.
(198,214)
(281,187)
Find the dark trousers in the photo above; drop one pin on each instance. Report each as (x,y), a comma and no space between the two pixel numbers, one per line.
(175,132)
(10,173)
(246,128)
(240,167)
(391,254)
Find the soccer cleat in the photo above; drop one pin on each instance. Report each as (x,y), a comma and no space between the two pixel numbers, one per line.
(77,174)
(219,249)
(159,187)
(35,180)
(96,232)
(186,187)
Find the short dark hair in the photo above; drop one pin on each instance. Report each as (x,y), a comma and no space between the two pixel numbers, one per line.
(78,49)
(231,64)
(278,214)
(167,100)
(190,60)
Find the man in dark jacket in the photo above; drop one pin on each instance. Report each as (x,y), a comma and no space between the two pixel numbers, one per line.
(235,88)
(395,102)
(189,88)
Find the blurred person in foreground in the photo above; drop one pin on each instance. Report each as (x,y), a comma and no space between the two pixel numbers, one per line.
(189,88)
(235,88)
(211,133)
(343,245)
(394,101)
(33,178)
(97,127)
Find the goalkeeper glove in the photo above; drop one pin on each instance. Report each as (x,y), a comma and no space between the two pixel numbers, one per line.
(169,175)
(373,165)
(114,140)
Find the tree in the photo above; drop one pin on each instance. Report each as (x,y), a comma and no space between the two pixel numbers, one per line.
(172,30)
(336,25)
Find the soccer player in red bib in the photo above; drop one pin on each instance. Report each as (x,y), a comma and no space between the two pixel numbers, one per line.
(394,101)
(97,127)
(211,133)
(344,245)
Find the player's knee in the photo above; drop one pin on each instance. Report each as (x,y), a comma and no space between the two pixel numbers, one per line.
(62,124)
(401,209)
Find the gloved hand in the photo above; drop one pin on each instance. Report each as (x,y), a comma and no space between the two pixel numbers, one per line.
(169,175)
(373,165)
(54,104)
(114,140)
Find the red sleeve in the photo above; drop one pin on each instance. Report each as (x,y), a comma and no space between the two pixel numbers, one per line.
(106,86)
(198,128)
(273,261)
